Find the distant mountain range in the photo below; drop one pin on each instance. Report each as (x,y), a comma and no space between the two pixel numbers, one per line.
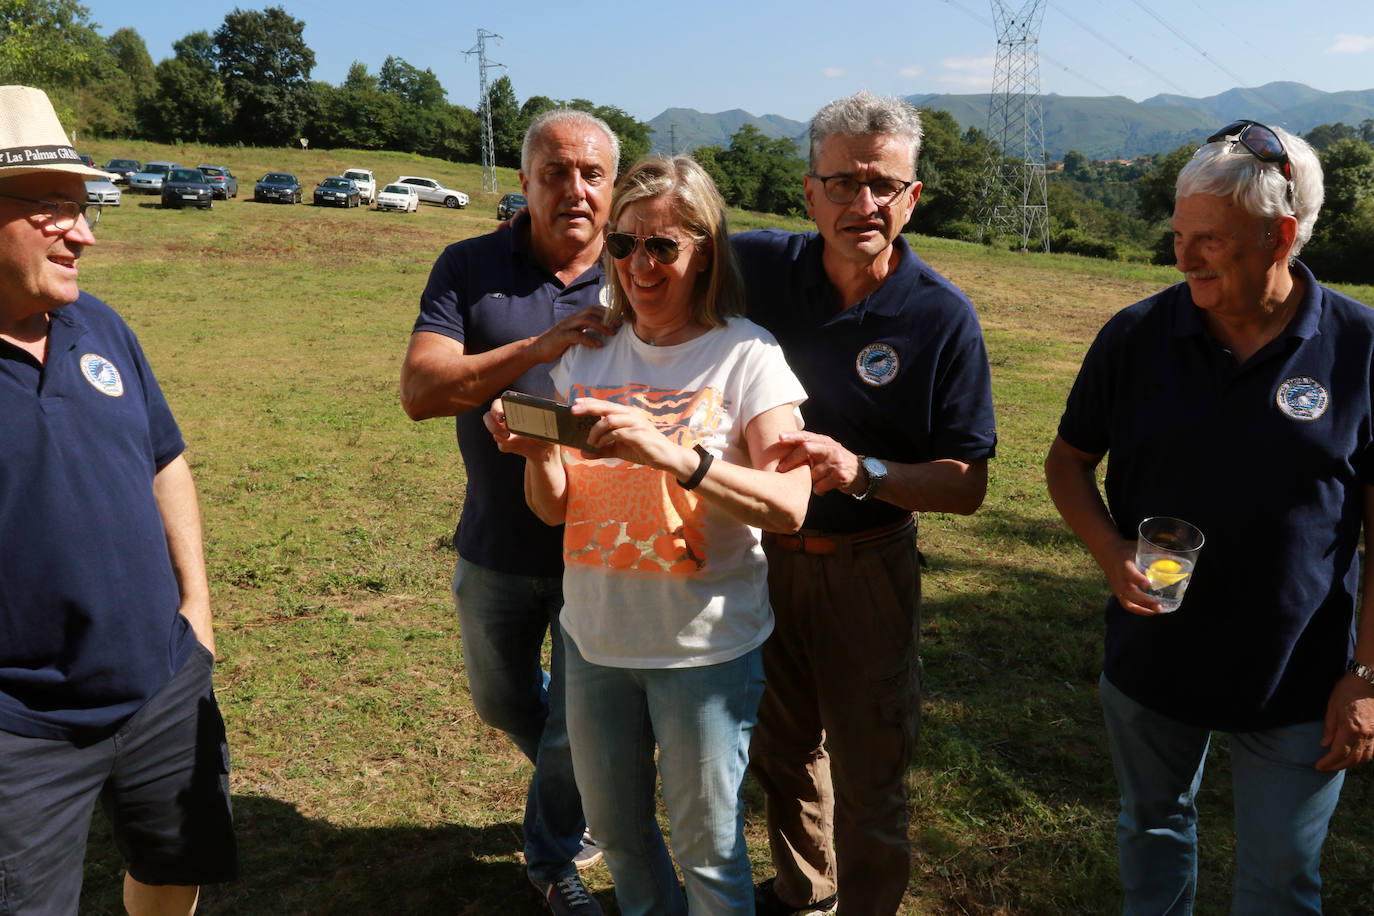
(1100,127)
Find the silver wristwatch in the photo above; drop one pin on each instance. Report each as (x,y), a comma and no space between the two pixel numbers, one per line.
(1363,672)
(877,476)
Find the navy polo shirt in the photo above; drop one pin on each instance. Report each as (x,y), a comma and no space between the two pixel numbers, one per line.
(902,375)
(1270,459)
(89,607)
(484,293)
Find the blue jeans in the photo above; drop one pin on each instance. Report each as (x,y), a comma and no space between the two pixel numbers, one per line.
(504,618)
(1282,807)
(701,719)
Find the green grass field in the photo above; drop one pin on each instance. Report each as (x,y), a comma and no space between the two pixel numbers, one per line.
(363,780)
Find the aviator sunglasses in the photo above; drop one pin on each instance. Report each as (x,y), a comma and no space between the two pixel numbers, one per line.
(622,244)
(1259,140)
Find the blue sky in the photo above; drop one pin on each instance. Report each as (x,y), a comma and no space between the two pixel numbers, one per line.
(791,58)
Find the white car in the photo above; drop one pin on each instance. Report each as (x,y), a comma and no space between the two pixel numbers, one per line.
(366,182)
(431,192)
(398,197)
(102,191)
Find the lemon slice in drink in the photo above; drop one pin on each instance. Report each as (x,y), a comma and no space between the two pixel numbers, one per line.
(1165,572)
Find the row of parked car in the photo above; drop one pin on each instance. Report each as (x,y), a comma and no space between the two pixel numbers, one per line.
(203,185)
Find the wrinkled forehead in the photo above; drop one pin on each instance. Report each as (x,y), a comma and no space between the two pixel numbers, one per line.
(572,144)
(857,154)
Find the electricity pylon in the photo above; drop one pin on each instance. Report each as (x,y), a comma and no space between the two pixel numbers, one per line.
(1015,200)
(488,143)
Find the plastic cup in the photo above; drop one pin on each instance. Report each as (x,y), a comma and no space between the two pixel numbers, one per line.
(1166,551)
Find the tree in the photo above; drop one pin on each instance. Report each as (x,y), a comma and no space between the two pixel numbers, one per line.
(1344,235)
(950,168)
(417,88)
(50,44)
(265,66)
(1323,135)
(189,101)
(1156,187)
(507,133)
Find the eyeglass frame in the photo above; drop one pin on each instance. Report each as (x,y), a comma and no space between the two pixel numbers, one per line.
(661,240)
(825,188)
(55,208)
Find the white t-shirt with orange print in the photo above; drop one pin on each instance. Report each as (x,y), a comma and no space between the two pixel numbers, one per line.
(654,576)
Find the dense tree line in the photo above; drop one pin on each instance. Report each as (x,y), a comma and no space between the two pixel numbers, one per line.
(249,82)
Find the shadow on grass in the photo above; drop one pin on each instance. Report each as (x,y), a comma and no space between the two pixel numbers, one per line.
(290,863)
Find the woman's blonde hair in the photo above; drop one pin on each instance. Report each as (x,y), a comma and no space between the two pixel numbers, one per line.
(719,292)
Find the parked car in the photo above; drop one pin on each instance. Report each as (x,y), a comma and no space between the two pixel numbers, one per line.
(339,192)
(187,186)
(281,186)
(103,191)
(221,179)
(123,169)
(398,197)
(510,205)
(149,180)
(432,192)
(366,182)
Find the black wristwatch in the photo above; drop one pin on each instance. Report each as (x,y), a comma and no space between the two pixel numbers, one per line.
(877,476)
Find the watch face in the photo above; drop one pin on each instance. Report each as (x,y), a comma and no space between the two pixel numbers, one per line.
(876,469)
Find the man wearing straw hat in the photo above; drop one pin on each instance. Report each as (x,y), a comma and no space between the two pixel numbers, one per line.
(106,646)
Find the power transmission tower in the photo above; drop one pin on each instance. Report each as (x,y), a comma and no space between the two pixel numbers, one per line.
(1014,195)
(488,143)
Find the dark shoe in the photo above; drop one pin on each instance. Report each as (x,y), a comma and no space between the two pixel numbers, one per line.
(766,903)
(568,897)
(589,854)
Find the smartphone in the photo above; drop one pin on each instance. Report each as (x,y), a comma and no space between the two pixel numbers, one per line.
(540,418)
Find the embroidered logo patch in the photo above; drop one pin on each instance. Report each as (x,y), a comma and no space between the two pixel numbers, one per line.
(102,375)
(877,364)
(1302,398)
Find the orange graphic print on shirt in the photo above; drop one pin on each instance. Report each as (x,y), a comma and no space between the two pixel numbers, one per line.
(630,517)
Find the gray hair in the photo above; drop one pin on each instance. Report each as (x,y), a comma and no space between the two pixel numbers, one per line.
(555,117)
(1229,170)
(864,113)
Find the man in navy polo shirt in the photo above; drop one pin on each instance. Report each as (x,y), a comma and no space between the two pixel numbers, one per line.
(898,419)
(497,311)
(106,645)
(1242,401)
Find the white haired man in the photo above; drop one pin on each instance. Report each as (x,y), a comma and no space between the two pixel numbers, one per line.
(1240,400)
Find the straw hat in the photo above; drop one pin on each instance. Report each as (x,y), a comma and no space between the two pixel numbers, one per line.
(32,139)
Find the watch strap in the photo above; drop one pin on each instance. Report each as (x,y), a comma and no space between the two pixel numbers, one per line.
(702,467)
(1363,672)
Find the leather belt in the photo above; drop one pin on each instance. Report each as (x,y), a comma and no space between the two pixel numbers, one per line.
(821,543)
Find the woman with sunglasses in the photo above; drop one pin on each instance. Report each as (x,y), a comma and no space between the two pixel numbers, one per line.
(665,586)
(1242,400)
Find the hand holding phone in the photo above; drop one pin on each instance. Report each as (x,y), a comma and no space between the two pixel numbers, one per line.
(541,418)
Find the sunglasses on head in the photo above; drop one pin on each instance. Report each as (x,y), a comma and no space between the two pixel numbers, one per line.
(1259,140)
(622,244)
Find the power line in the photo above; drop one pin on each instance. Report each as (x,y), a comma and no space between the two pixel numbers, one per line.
(488,142)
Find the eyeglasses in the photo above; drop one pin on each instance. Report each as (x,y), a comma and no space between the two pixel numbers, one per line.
(622,244)
(1259,140)
(842,189)
(63,214)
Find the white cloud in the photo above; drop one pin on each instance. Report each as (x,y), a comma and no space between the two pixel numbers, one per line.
(1352,44)
(973,74)
(834,72)
(912,71)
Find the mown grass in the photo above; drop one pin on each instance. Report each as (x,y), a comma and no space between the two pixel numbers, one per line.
(363,780)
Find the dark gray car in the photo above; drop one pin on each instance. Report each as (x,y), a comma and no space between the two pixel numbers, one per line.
(187,186)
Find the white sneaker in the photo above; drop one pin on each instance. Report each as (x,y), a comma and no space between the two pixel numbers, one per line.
(590,854)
